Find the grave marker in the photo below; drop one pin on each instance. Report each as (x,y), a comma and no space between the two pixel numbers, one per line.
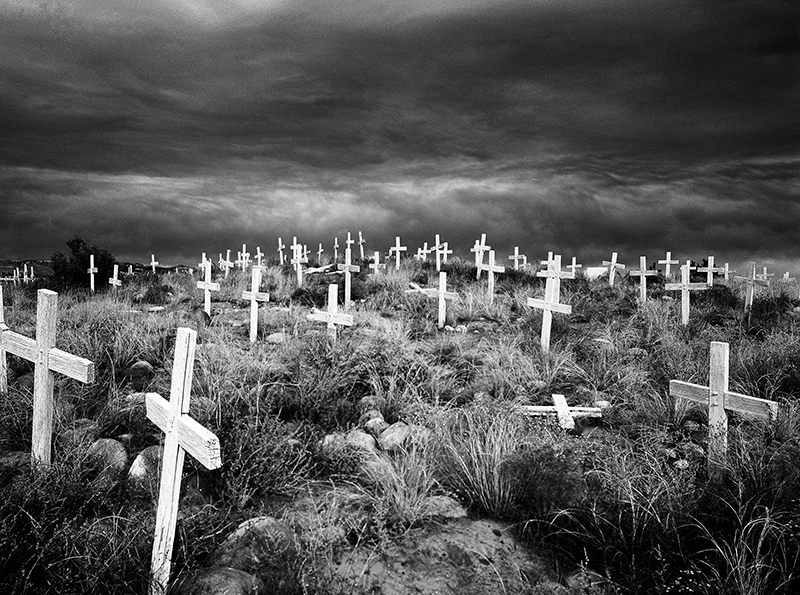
(710,269)
(298,260)
(422,253)
(727,272)
(550,303)
(441,294)
(281,247)
(114,281)
(130,270)
(226,264)
(668,262)
(491,268)
(437,247)
(718,398)
(751,281)
(3,364)
(375,265)
(153,262)
(643,273)
(685,286)
(183,434)
(445,252)
(259,256)
(361,243)
(479,248)
(335,249)
(347,268)
(202,264)
(91,270)
(255,297)
(349,241)
(764,276)
(47,360)
(574,266)
(331,317)
(245,257)
(786,278)
(319,254)
(207,286)
(516,257)
(397,249)
(566,415)
(612,265)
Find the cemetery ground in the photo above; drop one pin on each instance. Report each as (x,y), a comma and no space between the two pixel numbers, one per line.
(395,457)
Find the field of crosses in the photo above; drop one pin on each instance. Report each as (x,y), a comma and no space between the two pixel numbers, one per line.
(622,430)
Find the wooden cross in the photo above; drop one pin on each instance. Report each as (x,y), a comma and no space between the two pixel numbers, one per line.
(259,256)
(718,398)
(752,281)
(574,266)
(298,260)
(786,278)
(347,268)
(548,261)
(255,297)
(91,270)
(226,264)
(3,364)
(550,303)
(47,360)
(245,257)
(25,273)
(710,269)
(397,249)
(445,251)
(202,264)
(335,248)
(492,268)
(516,257)
(114,281)
(764,276)
(422,253)
(612,265)
(479,248)
(643,273)
(361,243)
(441,294)
(668,262)
(332,316)
(153,262)
(349,241)
(281,247)
(685,287)
(727,272)
(319,254)
(566,414)
(437,247)
(207,286)
(375,265)
(183,434)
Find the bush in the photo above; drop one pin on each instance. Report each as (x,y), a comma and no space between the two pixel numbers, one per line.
(69,271)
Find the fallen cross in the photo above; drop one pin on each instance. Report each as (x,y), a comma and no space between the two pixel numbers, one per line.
(331,317)
(207,286)
(685,287)
(183,434)
(643,273)
(255,296)
(47,360)
(550,304)
(718,398)
(441,294)
(566,415)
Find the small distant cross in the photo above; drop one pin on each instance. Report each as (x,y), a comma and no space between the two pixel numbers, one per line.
(245,257)
(422,253)
(349,241)
(335,248)
(668,262)
(479,248)
(376,264)
(441,294)
(361,243)
(752,281)
(226,264)
(202,264)
(331,317)
(445,252)
(492,268)
(255,296)
(710,269)
(685,286)
(550,303)
(764,276)
(259,256)
(207,286)
(727,272)
(574,266)
(114,281)
(91,270)
(153,262)
(319,253)
(347,268)
(437,247)
(643,273)
(298,260)
(786,278)
(516,257)
(612,265)
(397,249)
(281,248)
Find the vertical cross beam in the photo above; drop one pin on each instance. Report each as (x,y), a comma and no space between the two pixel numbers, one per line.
(91,270)
(46,324)
(685,287)
(516,257)
(255,297)
(281,247)
(574,266)
(361,243)
(492,268)
(320,251)
(612,265)
(397,248)
(550,303)
(375,265)
(479,248)
(335,249)
(3,364)
(751,281)
(437,247)
(332,317)
(114,280)
(668,262)
(347,268)
(207,286)
(710,269)
(643,273)
(153,262)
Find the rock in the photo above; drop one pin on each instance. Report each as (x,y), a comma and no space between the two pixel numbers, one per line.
(369,415)
(461,329)
(219,581)
(361,440)
(394,438)
(143,476)
(14,460)
(449,329)
(108,456)
(584,578)
(372,402)
(375,468)
(539,384)
(375,426)
(255,542)
(276,338)
(444,507)
(603,404)
(82,432)
(141,375)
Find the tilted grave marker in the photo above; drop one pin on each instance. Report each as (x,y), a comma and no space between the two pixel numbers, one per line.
(710,269)
(441,294)
(643,273)
(751,281)
(492,268)
(727,272)
(207,286)
(422,253)
(786,278)
(397,249)
(183,434)
(566,415)
(153,262)
(550,303)
(668,262)
(335,249)
(202,264)
(347,268)
(255,296)
(281,247)
(376,264)
(438,248)
(613,266)
(516,257)
(259,256)
(718,398)
(47,360)
(226,264)
(114,280)
(3,361)
(320,252)
(685,287)
(91,270)
(445,252)
(361,243)
(479,248)
(331,317)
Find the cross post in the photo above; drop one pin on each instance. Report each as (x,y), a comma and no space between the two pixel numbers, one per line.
(298,260)
(335,249)
(153,262)
(492,268)
(612,265)
(668,262)
(710,269)
(320,251)
(281,247)
(442,294)
(91,270)
(643,273)
(752,281)
(574,266)
(347,268)
(331,317)
(207,286)
(361,243)
(255,297)
(550,303)
(479,248)
(376,264)
(397,249)
(516,257)
(685,286)
(114,280)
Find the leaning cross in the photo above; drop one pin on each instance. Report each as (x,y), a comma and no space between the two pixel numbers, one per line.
(332,316)
(226,264)
(612,265)
(153,262)
(245,257)
(281,247)
(3,364)
(550,303)
(479,248)
(492,268)
(208,287)
(259,256)
(376,263)
(752,281)
(202,264)
(718,398)
(685,287)
(516,257)
(183,434)
(114,281)
(47,360)
(441,294)
(361,243)
(643,273)
(347,268)
(319,253)
(91,270)
(668,262)
(397,249)
(255,296)
(710,269)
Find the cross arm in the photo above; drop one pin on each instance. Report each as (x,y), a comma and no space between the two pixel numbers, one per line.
(740,403)
(543,305)
(198,441)
(72,366)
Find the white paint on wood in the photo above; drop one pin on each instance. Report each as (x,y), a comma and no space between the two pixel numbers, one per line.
(668,262)
(397,249)
(331,317)
(376,263)
(492,268)
(207,286)
(114,280)
(710,269)
(348,268)
(685,287)
(550,303)
(751,282)
(643,273)
(255,296)
(91,270)
(613,267)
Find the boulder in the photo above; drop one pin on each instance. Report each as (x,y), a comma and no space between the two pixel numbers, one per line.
(255,543)
(144,474)
(11,461)
(81,432)
(375,426)
(219,581)
(400,436)
(140,375)
(108,456)
(276,338)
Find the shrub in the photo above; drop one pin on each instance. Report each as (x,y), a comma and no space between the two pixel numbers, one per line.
(69,271)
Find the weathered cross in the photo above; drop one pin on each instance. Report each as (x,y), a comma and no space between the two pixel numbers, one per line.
(202,264)
(397,249)
(550,303)
(566,415)
(685,286)
(548,261)
(320,251)
(226,264)
(752,281)
(727,272)
(183,434)
(643,273)
(710,269)
(492,268)
(255,297)
(335,249)
(347,268)
(114,281)
(574,266)
(207,286)
(130,270)
(422,253)
(298,260)
(441,294)
(718,398)
(376,263)
(438,246)
(764,276)
(245,257)
(516,257)
(91,270)
(612,265)
(332,316)
(3,364)
(668,262)
(259,256)
(349,241)
(47,360)
(479,248)
(281,247)
(153,262)
(786,278)
(361,243)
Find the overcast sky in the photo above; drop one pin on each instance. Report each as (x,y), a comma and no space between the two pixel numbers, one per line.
(578,126)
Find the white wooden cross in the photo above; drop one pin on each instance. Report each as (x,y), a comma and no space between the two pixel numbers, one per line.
(207,286)
(3,364)
(441,294)
(259,256)
(320,251)
(114,281)
(516,257)
(492,268)
(710,269)
(786,278)
(245,257)
(25,272)
(397,249)
(226,264)
(255,297)
(479,248)
(130,270)
(347,268)
(764,276)
(685,286)
(336,249)
(422,253)
(281,247)
(668,262)
(47,360)
(445,252)
(574,266)
(349,241)
(643,273)
(153,262)
(548,261)
(376,264)
(550,303)
(202,264)
(752,281)
(727,272)
(332,316)
(566,414)
(298,260)
(612,265)
(183,434)
(91,270)
(361,243)
(718,398)
(437,247)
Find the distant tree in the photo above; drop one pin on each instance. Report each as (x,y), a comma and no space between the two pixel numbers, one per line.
(70,271)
